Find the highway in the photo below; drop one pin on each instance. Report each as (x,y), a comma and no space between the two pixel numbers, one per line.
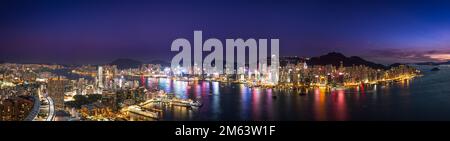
(46,107)
(51,113)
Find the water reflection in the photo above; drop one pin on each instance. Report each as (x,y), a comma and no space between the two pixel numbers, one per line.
(319,104)
(340,106)
(238,102)
(255,103)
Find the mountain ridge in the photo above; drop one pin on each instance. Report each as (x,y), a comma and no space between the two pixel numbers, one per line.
(125,63)
(335,59)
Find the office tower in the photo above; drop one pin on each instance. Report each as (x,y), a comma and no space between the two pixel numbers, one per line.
(100,77)
(56,91)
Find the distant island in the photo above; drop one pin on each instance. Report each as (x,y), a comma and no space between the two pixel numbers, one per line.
(434,63)
(435,69)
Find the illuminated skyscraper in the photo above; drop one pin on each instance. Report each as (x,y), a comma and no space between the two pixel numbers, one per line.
(100,77)
(274,69)
(56,91)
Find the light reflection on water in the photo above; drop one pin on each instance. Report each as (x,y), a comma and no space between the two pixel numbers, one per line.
(238,102)
(401,101)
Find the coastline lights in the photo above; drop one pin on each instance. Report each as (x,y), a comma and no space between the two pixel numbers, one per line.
(257,55)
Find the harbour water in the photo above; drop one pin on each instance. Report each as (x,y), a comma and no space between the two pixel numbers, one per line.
(422,98)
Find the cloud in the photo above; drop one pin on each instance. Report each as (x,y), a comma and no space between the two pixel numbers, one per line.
(409,56)
(440,57)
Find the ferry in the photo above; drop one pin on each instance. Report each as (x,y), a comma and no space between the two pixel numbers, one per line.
(177,102)
(186,103)
(196,104)
(141,112)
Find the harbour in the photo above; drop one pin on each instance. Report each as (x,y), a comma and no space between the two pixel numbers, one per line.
(402,100)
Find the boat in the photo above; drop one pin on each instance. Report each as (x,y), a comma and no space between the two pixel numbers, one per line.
(177,102)
(196,104)
(435,69)
(141,112)
(186,103)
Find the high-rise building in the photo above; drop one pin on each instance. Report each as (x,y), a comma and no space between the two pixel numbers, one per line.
(274,68)
(56,91)
(109,99)
(15,108)
(100,77)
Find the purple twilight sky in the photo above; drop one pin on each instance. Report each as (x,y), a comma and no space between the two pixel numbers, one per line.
(99,31)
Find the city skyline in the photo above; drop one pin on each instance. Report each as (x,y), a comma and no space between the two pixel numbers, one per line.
(96,32)
(224,69)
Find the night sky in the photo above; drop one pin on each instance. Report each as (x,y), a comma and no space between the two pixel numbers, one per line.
(101,31)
